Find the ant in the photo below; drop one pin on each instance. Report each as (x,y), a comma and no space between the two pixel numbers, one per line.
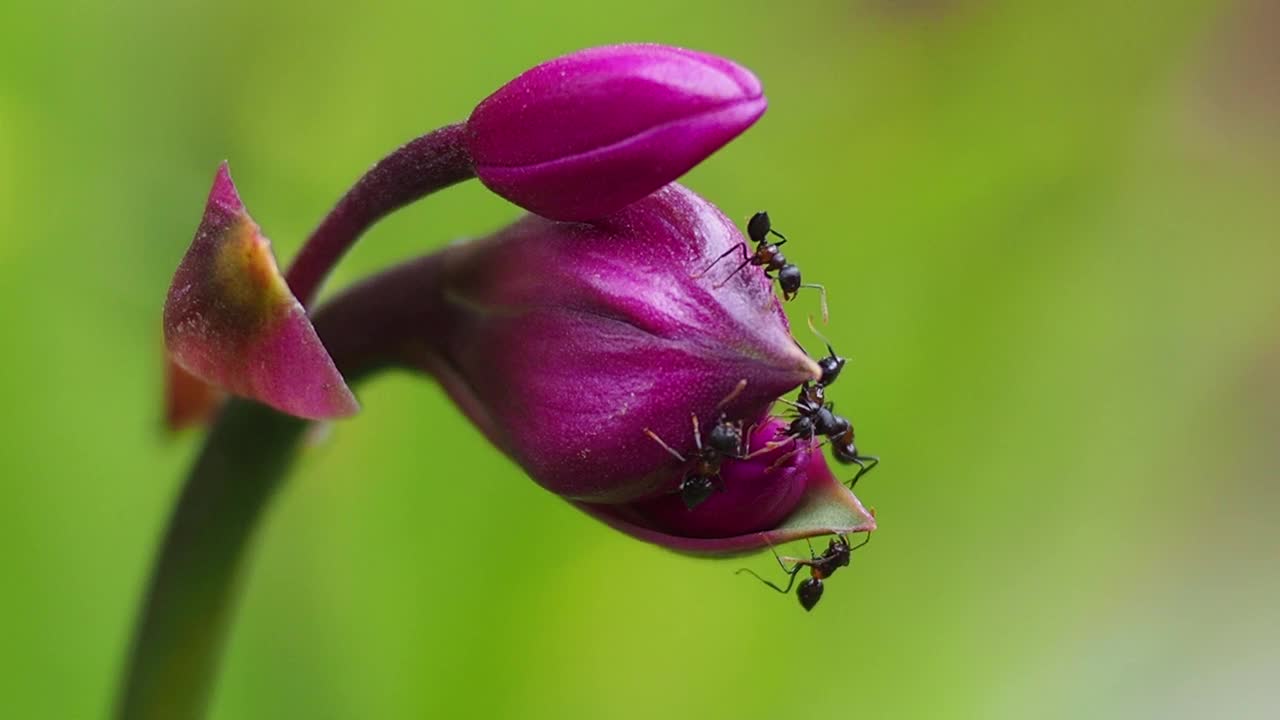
(725,440)
(814,416)
(768,256)
(820,567)
(814,394)
(844,450)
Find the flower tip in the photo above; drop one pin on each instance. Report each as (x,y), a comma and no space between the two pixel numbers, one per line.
(583,135)
(223,194)
(231,320)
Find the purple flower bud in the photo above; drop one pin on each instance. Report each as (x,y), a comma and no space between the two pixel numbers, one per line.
(230,319)
(576,338)
(583,135)
(565,342)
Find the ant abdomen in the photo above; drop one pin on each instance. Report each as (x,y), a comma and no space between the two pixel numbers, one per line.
(788,278)
(809,593)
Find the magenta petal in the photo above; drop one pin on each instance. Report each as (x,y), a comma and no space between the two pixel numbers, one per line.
(575,339)
(824,507)
(583,135)
(231,320)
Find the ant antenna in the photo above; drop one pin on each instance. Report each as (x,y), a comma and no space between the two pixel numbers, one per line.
(814,330)
(826,314)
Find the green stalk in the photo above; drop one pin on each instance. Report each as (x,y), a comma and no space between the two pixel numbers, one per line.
(190,601)
(247,454)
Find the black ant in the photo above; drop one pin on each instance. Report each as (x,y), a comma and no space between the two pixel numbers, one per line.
(725,440)
(768,256)
(815,416)
(845,450)
(813,395)
(820,567)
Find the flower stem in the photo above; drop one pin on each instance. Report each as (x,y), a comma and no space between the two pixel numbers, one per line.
(179,639)
(413,171)
(248,452)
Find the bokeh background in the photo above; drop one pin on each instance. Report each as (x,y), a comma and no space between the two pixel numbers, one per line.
(1050,233)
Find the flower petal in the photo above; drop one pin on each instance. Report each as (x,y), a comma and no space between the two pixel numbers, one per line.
(825,507)
(231,320)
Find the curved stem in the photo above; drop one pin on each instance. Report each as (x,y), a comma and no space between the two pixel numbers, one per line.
(414,170)
(179,639)
(246,456)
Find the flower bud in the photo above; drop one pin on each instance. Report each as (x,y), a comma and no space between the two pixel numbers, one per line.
(565,342)
(230,319)
(583,135)
(576,338)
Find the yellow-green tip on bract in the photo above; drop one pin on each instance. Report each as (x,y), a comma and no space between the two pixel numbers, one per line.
(231,320)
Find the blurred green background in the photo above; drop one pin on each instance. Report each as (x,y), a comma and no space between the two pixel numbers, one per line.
(1050,233)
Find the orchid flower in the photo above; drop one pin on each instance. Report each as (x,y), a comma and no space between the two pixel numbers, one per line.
(583,340)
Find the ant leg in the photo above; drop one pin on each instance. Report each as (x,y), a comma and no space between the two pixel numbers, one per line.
(794,571)
(791,572)
(729,277)
(795,451)
(775,232)
(668,448)
(863,469)
(742,247)
(735,392)
(865,540)
(812,554)
(826,314)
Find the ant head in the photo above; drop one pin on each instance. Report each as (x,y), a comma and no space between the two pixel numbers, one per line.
(758,227)
(789,280)
(695,489)
(831,366)
(725,437)
(801,426)
(809,592)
